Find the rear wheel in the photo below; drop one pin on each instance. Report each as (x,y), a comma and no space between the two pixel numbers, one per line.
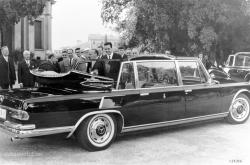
(97,132)
(239,110)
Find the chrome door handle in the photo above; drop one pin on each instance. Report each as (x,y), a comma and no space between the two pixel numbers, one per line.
(188,91)
(144,94)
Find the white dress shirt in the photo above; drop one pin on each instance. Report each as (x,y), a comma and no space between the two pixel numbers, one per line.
(28,62)
(6,58)
(110,56)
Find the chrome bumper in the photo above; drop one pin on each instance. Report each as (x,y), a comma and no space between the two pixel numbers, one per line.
(19,131)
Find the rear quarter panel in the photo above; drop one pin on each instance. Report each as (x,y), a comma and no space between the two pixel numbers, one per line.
(54,113)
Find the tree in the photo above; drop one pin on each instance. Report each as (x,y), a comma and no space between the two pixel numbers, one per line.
(11,11)
(186,27)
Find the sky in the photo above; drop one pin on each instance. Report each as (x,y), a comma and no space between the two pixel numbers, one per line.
(73,20)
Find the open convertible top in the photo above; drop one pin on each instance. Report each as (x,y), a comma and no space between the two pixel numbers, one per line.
(73,80)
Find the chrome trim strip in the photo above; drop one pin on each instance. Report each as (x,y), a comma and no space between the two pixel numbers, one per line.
(9,108)
(35,132)
(246,76)
(137,84)
(178,72)
(101,103)
(93,113)
(173,122)
(19,126)
(119,76)
(239,92)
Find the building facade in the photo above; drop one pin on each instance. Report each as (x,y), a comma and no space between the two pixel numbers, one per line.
(35,37)
(96,40)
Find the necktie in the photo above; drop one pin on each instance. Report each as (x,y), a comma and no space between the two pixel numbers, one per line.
(70,62)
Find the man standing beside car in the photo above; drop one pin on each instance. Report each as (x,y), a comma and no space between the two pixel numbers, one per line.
(109,64)
(7,69)
(83,57)
(122,53)
(68,62)
(51,64)
(25,78)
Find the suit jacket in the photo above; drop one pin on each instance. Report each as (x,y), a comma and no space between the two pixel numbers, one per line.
(108,68)
(81,65)
(65,65)
(7,72)
(49,66)
(124,57)
(24,75)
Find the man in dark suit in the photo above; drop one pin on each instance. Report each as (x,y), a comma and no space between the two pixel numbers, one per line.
(109,64)
(122,53)
(51,64)
(25,78)
(7,69)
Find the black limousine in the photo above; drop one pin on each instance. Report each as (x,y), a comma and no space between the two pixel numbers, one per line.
(151,91)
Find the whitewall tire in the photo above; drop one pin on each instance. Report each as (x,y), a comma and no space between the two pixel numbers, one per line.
(239,110)
(97,132)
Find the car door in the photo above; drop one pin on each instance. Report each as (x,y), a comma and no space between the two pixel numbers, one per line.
(201,98)
(160,96)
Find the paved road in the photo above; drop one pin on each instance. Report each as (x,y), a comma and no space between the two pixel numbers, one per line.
(210,143)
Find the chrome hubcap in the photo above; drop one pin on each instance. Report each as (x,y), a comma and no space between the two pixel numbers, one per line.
(100,130)
(240,109)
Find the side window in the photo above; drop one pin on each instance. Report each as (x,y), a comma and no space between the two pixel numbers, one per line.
(191,73)
(157,74)
(202,74)
(127,78)
(247,61)
(239,60)
(231,61)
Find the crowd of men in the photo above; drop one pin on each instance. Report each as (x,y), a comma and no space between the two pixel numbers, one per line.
(102,61)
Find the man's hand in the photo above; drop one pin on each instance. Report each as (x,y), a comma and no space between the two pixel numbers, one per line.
(21,85)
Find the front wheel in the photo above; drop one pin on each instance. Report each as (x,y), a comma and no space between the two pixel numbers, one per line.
(97,132)
(239,110)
